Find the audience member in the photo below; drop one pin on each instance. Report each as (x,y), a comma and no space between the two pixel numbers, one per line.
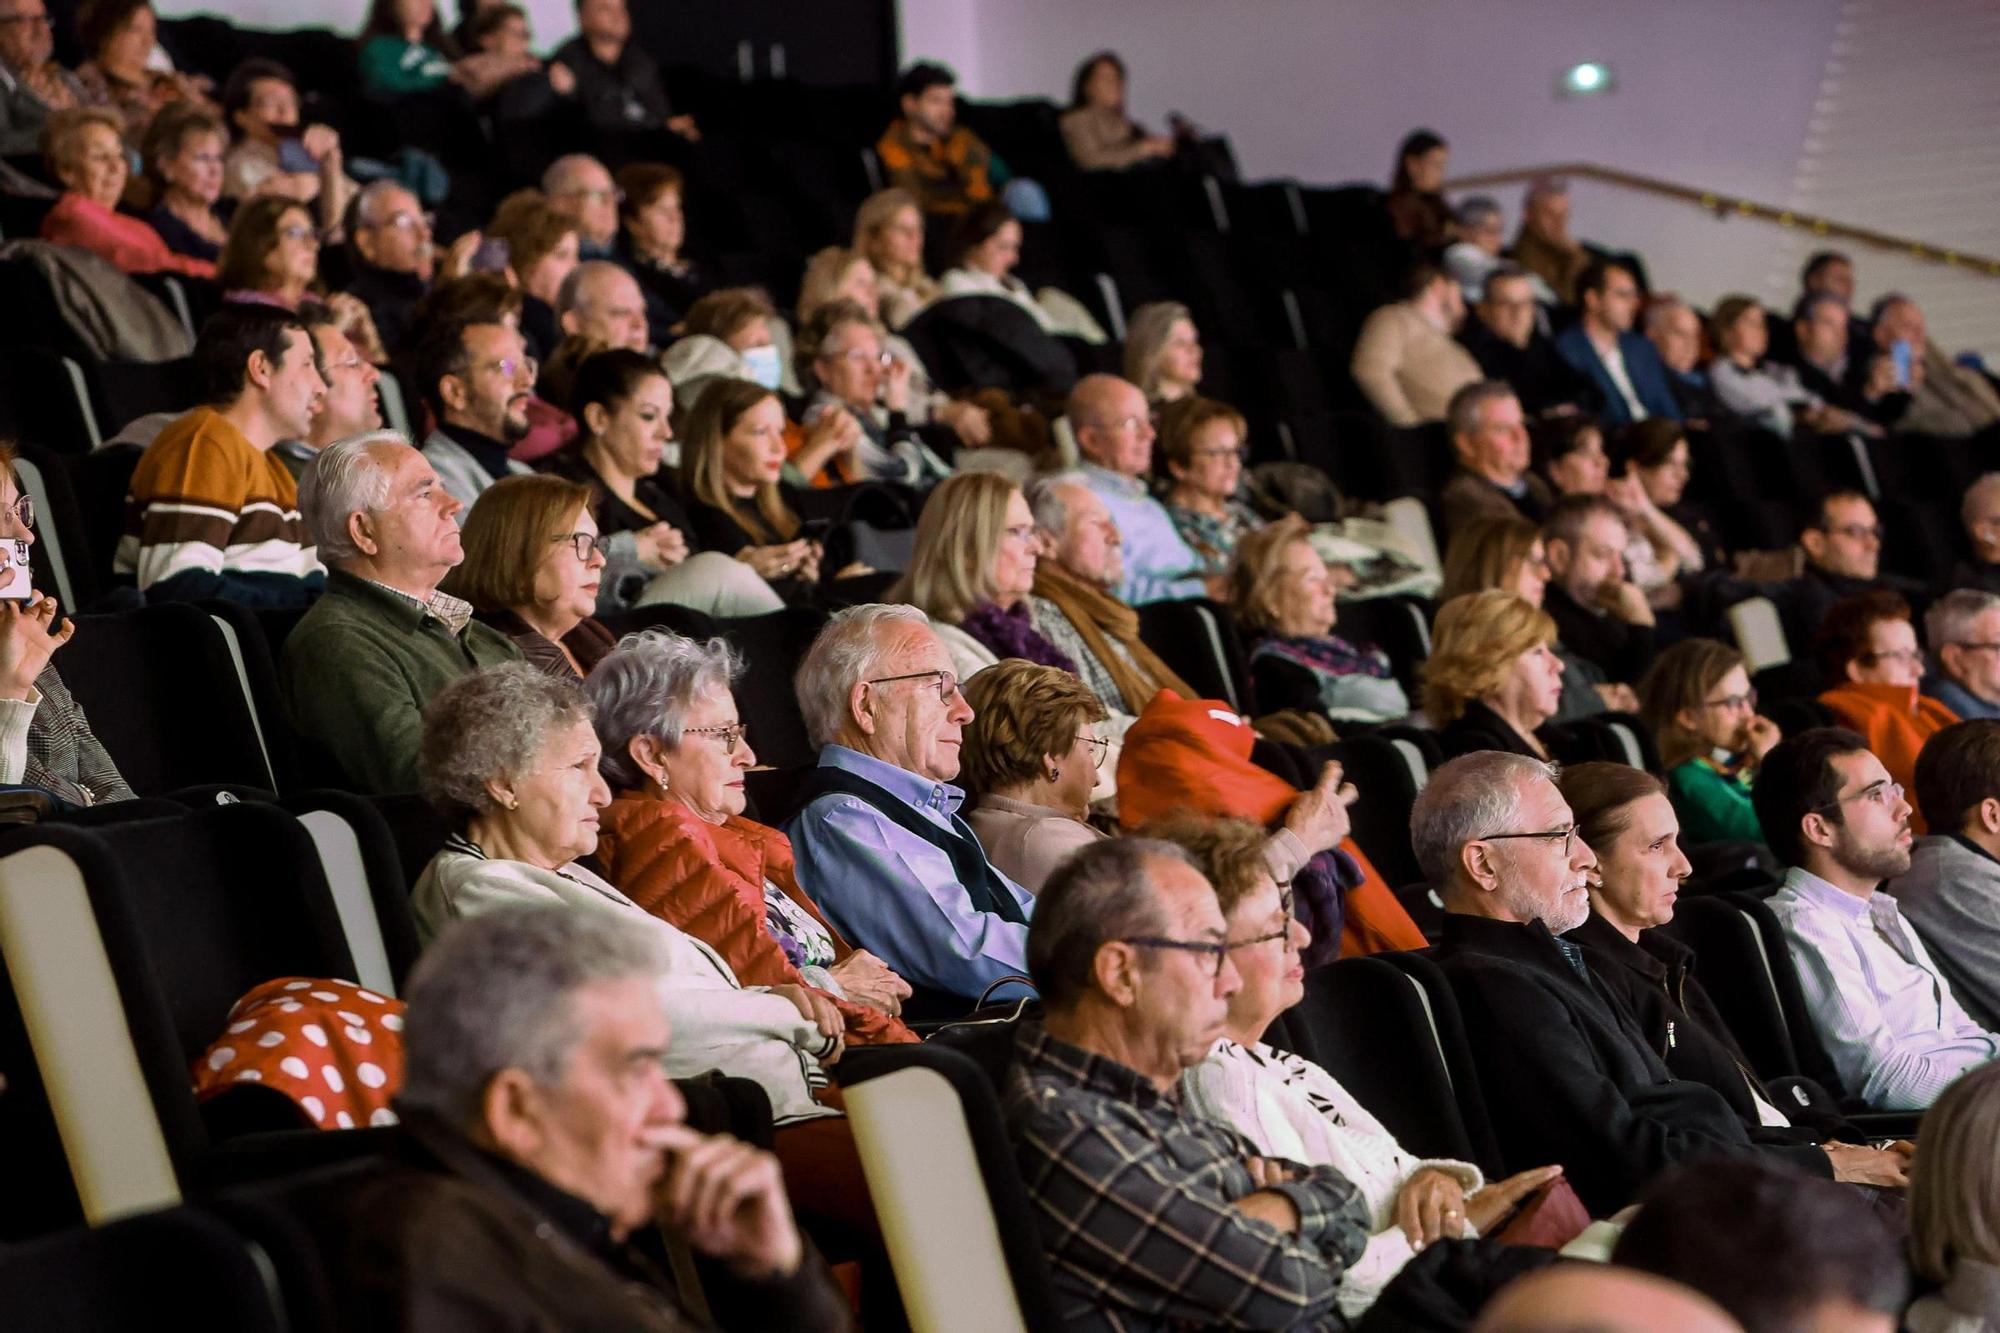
(1504,338)
(945,166)
(889,229)
(1283,597)
(1653,455)
(1114,433)
(1131,954)
(1570,453)
(1979,515)
(601,302)
(271,256)
(580,188)
(1697,701)
(1951,891)
(1883,1011)
(121,37)
(1842,545)
(732,466)
(1492,479)
(260,101)
(1568,1077)
(45,740)
(1202,443)
(348,407)
(674,838)
(985,250)
(1868,648)
(85,155)
(32,85)
(1768,393)
(1033,754)
(1415,201)
(1096,129)
(617,84)
(1953,1189)
(1675,331)
(1289,1107)
(182,159)
(1945,399)
(897,868)
(477,379)
(360,666)
(1600,614)
(403,50)
(1543,245)
(1477,253)
(744,322)
(209,511)
(533,562)
(1963,630)
(1601,345)
(1778,1251)
(653,228)
(392,258)
(1406,360)
(1825,358)
(518,88)
(841,355)
(542,1132)
(1163,352)
(1604,1299)
(1492,679)
(542,249)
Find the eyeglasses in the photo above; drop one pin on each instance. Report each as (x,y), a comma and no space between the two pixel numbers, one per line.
(1910,655)
(1882,792)
(1218,948)
(731,736)
(594,193)
(1729,703)
(412,222)
(1203,455)
(515,367)
(947,682)
(1975,647)
(1100,748)
(1283,932)
(24,510)
(583,543)
(298,232)
(861,358)
(1124,423)
(42,20)
(1020,532)
(1568,836)
(1857,531)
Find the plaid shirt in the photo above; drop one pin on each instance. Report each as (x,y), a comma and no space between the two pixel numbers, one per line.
(1134,1198)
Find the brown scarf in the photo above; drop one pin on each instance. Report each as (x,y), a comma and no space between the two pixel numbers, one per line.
(1106,625)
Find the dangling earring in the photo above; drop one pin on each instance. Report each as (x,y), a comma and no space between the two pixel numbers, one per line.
(661,783)
(1054,773)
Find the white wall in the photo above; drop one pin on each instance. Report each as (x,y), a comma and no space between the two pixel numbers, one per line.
(552,20)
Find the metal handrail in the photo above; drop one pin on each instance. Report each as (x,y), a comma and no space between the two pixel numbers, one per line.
(1727,206)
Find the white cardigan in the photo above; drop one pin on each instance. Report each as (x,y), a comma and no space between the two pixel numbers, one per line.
(718,1023)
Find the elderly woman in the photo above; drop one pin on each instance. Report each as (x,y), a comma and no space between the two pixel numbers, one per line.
(533,563)
(1762,392)
(1163,352)
(842,357)
(86,155)
(676,841)
(1293,1109)
(1955,1209)
(121,37)
(1032,757)
(1282,594)
(740,326)
(732,469)
(1096,129)
(510,758)
(541,251)
(1202,442)
(1696,699)
(183,152)
(1492,680)
(1869,647)
(1623,815)
(889,230)
(652,228)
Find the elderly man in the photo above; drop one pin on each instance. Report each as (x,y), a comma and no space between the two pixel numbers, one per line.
(32,84)
(393,257)
(1544,246)
(617,84)
(1152,1217)
(1674,330)
(1405,360)
(1963,631)
(348,407)
(1601,344)
(580,188)
(478,379)
(879,836)
(1945,399)
(210,511)
(1492,480)
(601,301)
(360,666)
(1951,892)
(1568,1297)
(1860,380)
(1504,338)
(1885,1013)
(1979,514)
(542,1133)
(1601,615)
(1568,1075)
(1114,433)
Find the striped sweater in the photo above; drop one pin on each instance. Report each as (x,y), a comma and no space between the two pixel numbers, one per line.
(211,514)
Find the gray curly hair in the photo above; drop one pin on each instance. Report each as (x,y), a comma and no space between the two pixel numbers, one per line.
(645,687)
(490,724)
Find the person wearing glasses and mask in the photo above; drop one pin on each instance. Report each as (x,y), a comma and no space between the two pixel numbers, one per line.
(878,832)
(1868,647)
(1884,1011)
(533,563)
(1697,700)
(1569,1077)
(1963,629)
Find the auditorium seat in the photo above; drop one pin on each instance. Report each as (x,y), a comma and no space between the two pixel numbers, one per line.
(363,865)
(1197,638)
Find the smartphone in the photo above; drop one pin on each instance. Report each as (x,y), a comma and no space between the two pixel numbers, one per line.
(1899,352)
(813,529)
(293,157)
(492,256)
(17,581)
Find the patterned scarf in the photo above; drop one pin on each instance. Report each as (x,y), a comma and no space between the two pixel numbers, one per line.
(1100,619)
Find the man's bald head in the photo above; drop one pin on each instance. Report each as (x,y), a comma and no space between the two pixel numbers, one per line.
(601,300)
(1597,1298)
(1113,425)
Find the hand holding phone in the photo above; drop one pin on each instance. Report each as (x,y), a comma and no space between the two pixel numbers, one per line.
(1901,355)
(492,256)
(293,158)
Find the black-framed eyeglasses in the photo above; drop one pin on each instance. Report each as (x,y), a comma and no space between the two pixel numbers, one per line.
(947,682)
(1568,836)
(1882,791)
(731,736)
(1747,699)
(43,19)
(583,543)
(1283,932)
(1100,747)
(1219,949)
(24,510)
(1968,647)
(1858,531)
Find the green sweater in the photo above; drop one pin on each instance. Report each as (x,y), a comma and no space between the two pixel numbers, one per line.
(1713,806)
(358,670)
(390,66)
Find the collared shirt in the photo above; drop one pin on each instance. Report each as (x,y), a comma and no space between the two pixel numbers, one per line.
(1135,1200)
(1895,1033)
(896,894)
(452,612)
(1159,564)
(1613,358)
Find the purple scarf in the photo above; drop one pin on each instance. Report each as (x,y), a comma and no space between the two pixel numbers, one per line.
(1013,634)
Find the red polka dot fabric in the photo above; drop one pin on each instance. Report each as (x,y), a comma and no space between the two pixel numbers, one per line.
(332,1047)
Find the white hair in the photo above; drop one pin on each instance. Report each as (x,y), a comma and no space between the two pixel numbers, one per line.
(341,480)
(645,687)
(562,172)
(371,195)
(1474,796)
(1045,499)
(1950,618)
(570,295)
(848,650)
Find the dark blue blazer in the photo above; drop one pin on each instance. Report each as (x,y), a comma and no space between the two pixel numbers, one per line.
(1642,365)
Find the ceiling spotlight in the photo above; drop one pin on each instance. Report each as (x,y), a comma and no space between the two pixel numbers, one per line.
(1586,80)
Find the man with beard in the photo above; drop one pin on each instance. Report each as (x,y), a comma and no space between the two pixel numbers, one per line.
(1600,615)
(477,378)
(1568,1076)
(1896,1034)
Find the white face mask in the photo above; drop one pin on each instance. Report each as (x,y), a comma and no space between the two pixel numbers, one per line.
(764,366)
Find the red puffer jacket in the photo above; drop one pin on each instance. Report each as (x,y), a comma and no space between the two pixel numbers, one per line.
(708,879)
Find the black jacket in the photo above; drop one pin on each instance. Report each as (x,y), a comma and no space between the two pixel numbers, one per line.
(391,297)
(1621,651)
(1654,979)
(1540,378)
(1567,1075)
(1480,728)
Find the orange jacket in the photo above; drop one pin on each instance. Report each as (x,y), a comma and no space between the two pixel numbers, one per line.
(1895,721)
(708,879)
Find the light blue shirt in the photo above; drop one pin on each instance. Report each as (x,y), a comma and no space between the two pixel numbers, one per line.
(1957,698)
(1887,1016)
(1159,564)
(895,894)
